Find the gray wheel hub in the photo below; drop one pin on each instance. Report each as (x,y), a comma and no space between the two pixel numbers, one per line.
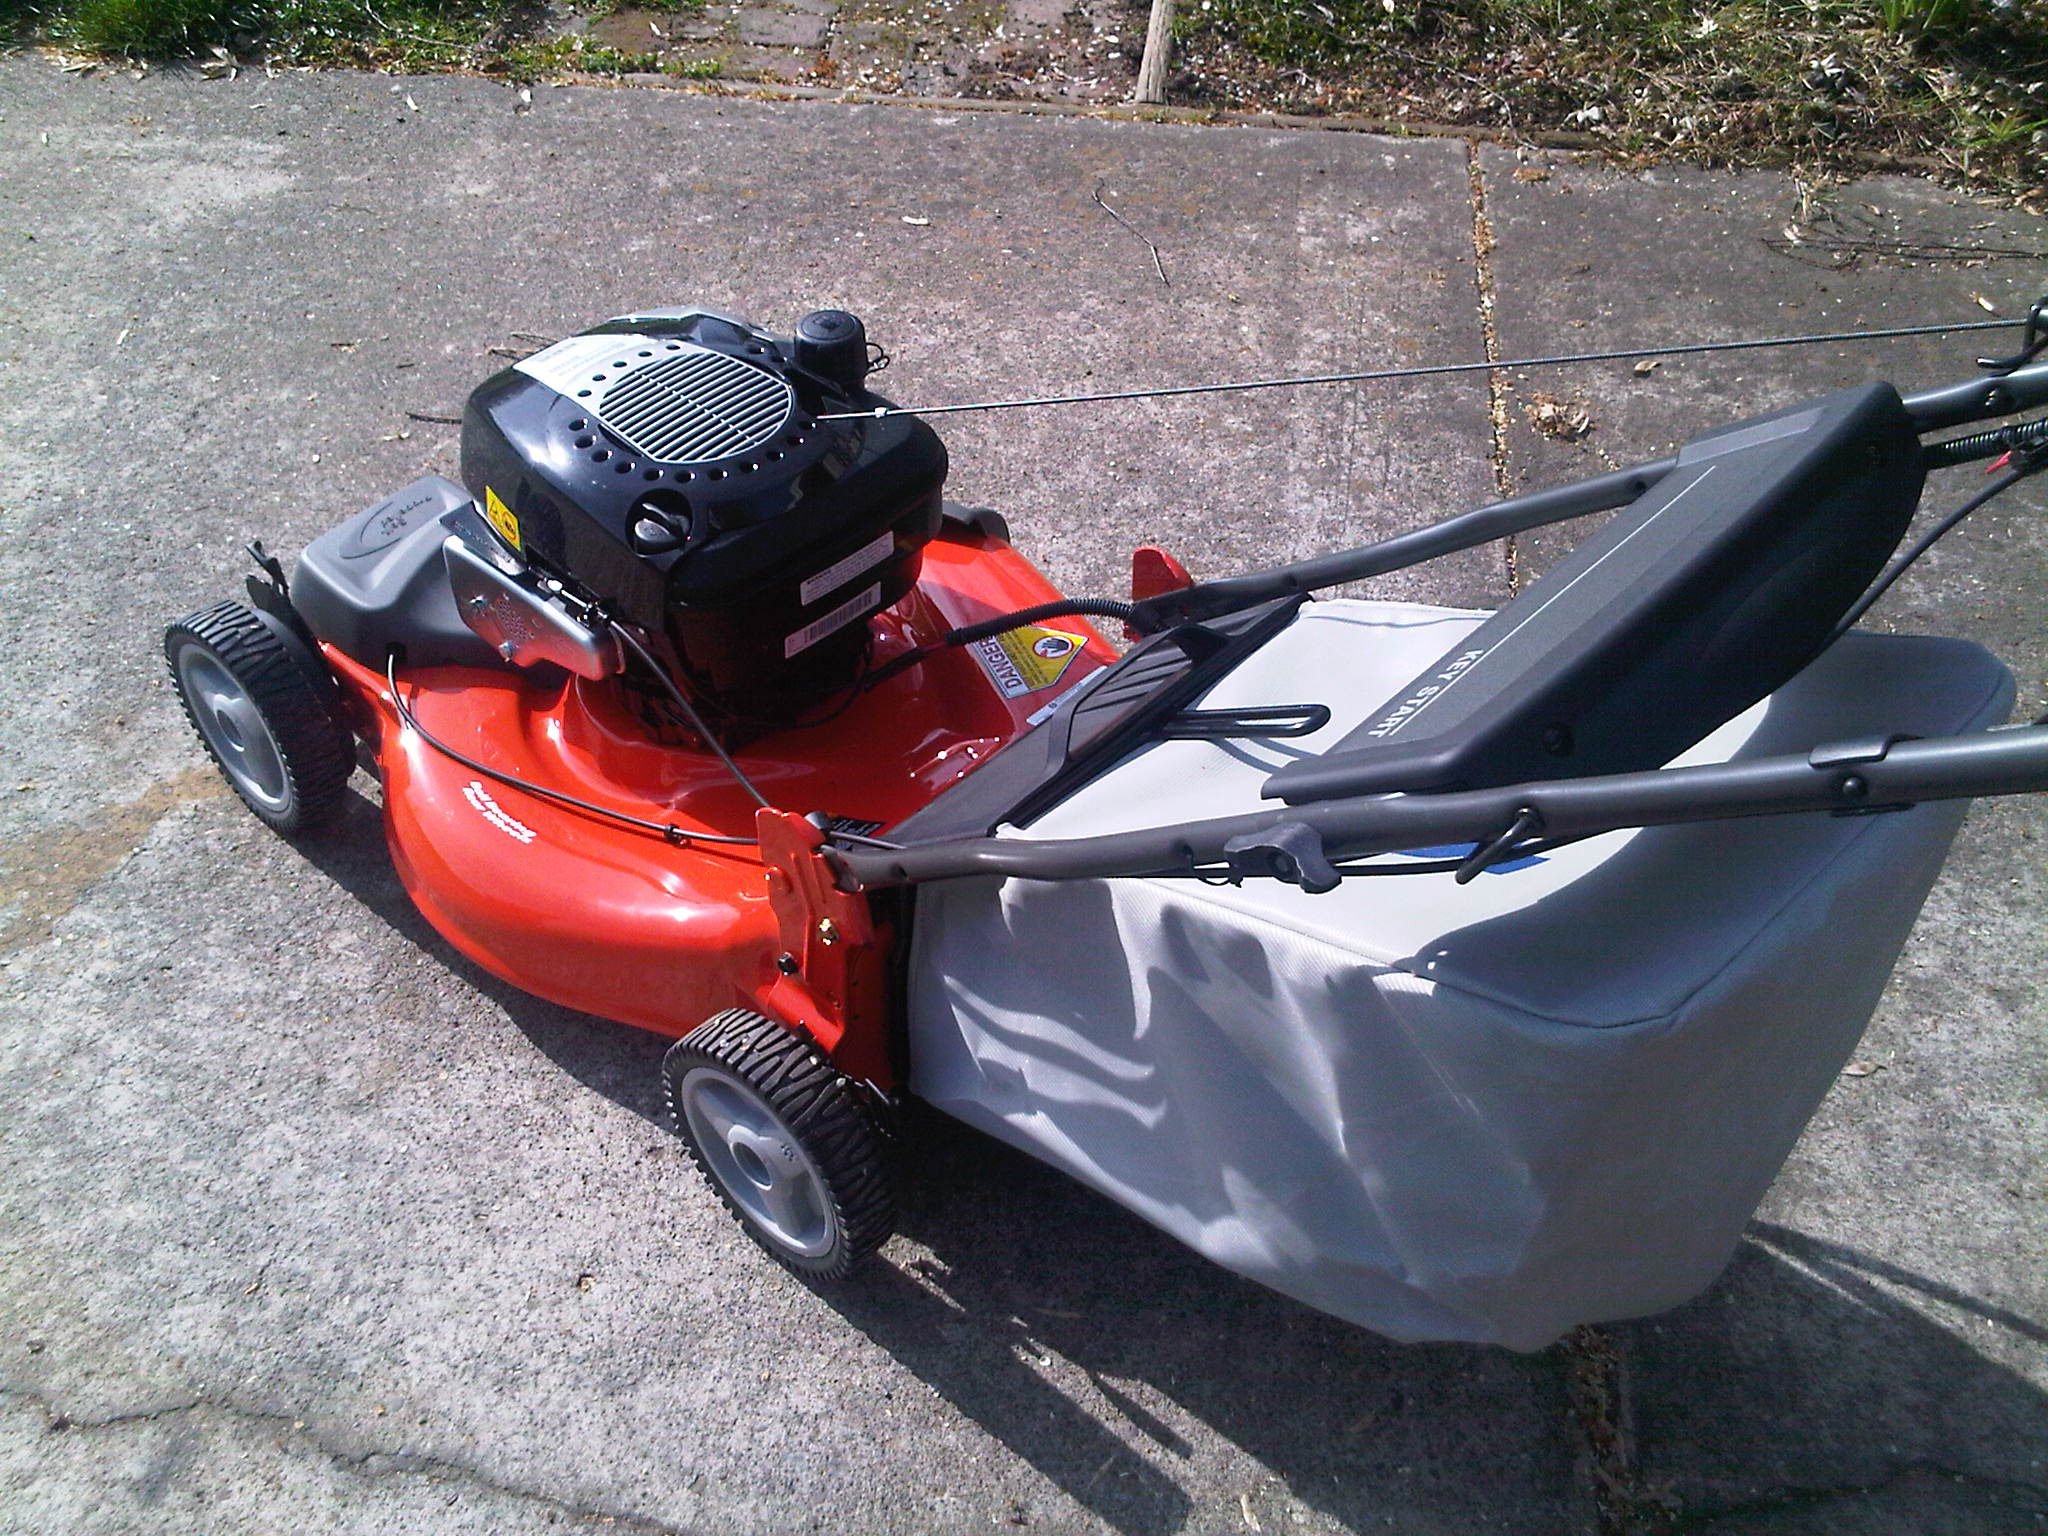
(759,1161)
(234,728)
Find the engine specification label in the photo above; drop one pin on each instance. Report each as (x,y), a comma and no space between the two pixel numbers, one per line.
(838,618)
(1022,661)
(840,572)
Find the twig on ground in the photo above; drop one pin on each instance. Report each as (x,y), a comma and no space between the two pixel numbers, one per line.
(1158,262)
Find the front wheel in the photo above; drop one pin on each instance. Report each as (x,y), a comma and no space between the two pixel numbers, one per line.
(267,724)
(784,1139)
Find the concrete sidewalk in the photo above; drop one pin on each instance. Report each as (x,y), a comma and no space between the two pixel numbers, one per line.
(307,1225)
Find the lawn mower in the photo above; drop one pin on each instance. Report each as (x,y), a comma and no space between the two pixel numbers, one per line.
(1465,975)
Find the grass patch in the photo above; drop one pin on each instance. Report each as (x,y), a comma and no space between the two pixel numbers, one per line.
(570,55)
(1778,82)
(1960,85)
(136,27)
(415,36)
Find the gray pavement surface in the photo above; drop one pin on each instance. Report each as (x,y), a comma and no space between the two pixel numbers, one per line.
(307,1225)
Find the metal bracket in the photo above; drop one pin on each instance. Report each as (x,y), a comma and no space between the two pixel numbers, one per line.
(2032,340)
(270,565)
(1237,724)
(1291,853)
(521,621)
(1861,749)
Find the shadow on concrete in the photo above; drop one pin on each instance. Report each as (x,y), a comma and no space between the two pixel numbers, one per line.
(1818,1387)
(618,1061)
(1805,1355)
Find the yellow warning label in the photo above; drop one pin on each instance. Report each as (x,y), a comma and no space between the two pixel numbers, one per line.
(502,519)
(1025,660)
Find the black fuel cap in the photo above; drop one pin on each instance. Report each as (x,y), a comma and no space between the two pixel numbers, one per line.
(834,345)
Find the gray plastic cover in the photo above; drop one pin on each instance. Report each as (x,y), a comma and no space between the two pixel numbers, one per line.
(380,580)
(1487,1112)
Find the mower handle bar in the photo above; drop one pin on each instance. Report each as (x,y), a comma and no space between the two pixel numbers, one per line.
(1953,405)
(1859,777)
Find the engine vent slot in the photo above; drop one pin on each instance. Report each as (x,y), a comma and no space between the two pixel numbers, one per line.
(693,406)
(670,401)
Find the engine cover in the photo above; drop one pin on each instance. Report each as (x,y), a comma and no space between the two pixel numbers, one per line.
(673,467)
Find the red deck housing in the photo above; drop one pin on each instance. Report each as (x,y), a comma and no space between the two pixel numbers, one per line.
(621,923)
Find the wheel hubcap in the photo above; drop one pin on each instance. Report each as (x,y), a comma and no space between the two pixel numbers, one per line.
(758,1161)
(233,727)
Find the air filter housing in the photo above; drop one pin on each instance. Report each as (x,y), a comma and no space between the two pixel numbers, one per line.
(672,466)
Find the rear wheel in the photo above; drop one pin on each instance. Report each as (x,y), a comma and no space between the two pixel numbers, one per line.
(784,1139)
(267,725)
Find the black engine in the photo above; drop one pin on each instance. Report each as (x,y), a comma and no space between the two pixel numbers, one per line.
(672,473)
(672,468)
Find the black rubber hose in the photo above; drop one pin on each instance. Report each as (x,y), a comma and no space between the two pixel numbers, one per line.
(1094,607)
(967,634)
(2016,438)
(2029,464)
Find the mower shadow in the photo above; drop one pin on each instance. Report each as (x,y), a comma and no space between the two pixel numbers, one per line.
(1113,1361)
(619,1062)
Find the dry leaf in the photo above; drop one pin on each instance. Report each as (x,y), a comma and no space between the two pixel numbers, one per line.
(1649,365)
(1863,1068)
(1533,173)
(1565,420)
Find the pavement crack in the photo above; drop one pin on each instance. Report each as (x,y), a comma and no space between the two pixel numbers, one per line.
(369,1464)
(56,1421)
(1483,243)
(43,875)
(1596,1392)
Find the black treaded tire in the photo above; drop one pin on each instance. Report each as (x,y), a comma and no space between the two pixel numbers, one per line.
(783,1138)
(270,728)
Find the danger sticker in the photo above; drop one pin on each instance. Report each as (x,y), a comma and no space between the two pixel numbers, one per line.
(501,518)
(1025,660)
(838,618)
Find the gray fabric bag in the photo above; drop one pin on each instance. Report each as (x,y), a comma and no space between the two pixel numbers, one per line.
(1486,1112)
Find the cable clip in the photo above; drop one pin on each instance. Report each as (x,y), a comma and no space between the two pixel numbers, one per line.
(1525,825)
(1291,853)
